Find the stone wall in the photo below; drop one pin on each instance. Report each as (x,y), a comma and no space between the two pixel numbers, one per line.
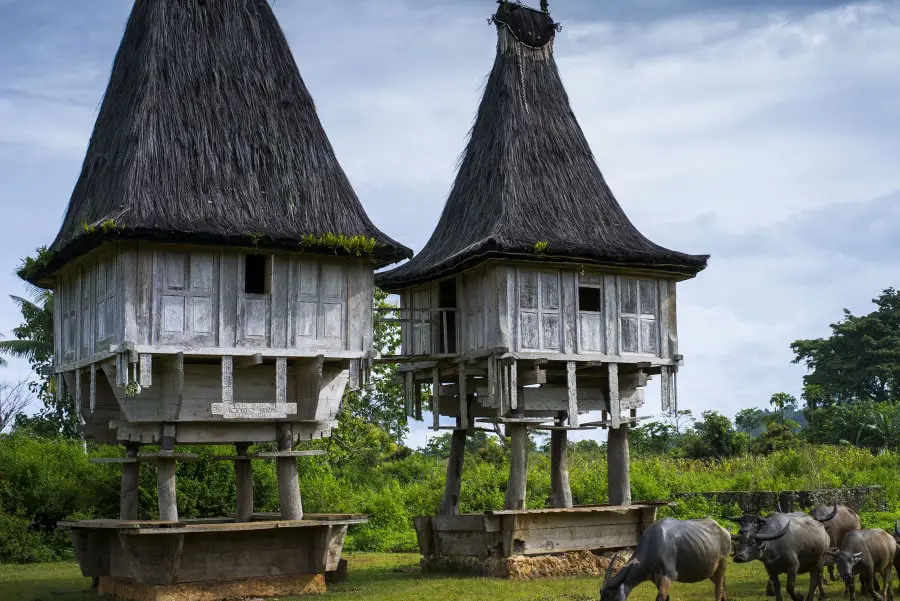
(859,498)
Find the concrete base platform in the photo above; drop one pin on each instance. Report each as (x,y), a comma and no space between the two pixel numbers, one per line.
(210,559)
(532,543)
(275,586)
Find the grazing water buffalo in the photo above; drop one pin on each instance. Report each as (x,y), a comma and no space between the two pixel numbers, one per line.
(748,525)
(788,544)
(866,552)
(897,556)
(670,551)
(844,520)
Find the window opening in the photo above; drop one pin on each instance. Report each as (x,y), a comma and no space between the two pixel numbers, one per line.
(256,274)
(447,319)
(589,299)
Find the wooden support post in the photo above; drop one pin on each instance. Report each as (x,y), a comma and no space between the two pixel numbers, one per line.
(165,482)
(93,387)
(518,466)
(573,393)
(463,399)
(513,386)
(288,484)
(617,466)
(450,501)
(436,398)
(128,499)
(561,492)
(243,477)
(615,407)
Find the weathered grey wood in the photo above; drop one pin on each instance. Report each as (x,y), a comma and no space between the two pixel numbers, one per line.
(165,483)
(513,386)
(288,483)
(665,390)
(146,370)
(463,398)
(128,497)
(672,329)
(618,466)
(615,410)
(93,387)
(243,476)
(450,500)
(242,362)
(573,393)
(611,304)
(561,491)
(435,398)
(518,466)
(569,312)
(227,379)
(280,380)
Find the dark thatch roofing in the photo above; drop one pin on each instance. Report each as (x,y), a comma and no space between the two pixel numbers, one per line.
(208,134)
(528,175)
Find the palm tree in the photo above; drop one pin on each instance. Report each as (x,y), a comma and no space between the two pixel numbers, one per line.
(34,338)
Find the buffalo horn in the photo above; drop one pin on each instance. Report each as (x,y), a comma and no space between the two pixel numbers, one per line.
(779,507)
(609,568)
(768,537)
(829,516)
(733,519)
(896,529)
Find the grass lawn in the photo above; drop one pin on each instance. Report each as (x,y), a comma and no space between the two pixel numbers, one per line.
(395,577)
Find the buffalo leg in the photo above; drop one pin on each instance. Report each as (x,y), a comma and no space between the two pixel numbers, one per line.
(776,586)
(815,582)
(888,588)
(719,580)
(791,583)
(770,588)
(662,584)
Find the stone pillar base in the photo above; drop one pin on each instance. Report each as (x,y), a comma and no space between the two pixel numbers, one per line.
(273,586)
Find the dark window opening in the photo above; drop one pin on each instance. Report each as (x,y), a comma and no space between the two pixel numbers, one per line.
(256,274)
(589,299)
(447,319)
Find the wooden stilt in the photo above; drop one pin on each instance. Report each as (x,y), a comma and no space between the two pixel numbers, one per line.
(518,466)
(288,484)
(128,499)
(561,492)
(243,477)
(450,501)
(617,466)
(165,483)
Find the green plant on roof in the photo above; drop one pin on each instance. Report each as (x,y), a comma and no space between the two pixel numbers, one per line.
(256,237)
(540,247)
(108,225)
(354,245)
(32,265)
(87,228)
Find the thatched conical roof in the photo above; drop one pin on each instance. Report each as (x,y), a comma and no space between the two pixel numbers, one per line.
(528,176)
(208,134)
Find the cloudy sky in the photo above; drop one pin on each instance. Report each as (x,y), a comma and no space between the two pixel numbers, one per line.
(765,133)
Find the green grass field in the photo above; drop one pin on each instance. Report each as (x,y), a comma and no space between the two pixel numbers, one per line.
(395,577)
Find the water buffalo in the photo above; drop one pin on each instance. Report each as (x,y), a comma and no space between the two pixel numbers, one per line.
(867,553)
(844,520)
(897,556)
(672,550)
(748,525)
(788,544)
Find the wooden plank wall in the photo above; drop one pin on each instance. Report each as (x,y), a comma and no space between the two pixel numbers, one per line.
(170,295)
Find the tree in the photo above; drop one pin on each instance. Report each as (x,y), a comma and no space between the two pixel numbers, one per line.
(752,421)
(781,401)
(714,436)
(34,343)
(14,397)
(373,419)
(859,361)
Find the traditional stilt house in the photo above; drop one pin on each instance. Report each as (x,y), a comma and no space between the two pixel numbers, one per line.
(213,276)
(536,299)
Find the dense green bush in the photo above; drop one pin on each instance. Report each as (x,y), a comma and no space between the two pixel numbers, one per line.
(46,480)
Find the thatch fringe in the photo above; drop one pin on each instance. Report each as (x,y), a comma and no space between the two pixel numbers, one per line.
(528,176)
(207,132)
